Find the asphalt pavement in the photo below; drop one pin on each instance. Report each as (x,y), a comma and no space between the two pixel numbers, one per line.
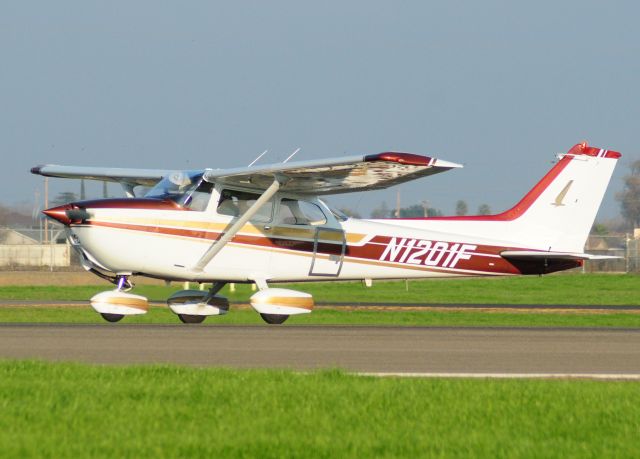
(370,349)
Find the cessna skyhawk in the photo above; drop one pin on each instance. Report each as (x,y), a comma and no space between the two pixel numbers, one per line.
(266,225)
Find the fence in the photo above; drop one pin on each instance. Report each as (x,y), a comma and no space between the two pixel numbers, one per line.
(33,247)
(624,246)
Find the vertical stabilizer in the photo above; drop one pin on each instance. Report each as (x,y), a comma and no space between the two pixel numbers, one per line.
(559,211)
(556,215)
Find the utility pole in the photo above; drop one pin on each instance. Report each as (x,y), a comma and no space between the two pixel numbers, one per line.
(425,206)
(35,213)
(46,206)
(398,204)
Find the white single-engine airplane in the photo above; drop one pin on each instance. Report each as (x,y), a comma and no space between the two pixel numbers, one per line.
(266,224)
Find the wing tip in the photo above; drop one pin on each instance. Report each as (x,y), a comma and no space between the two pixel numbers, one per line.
(447,164)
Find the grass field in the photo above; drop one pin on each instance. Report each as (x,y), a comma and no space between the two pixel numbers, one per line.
(615,289)
(322,316)
(575,289)
(73,410)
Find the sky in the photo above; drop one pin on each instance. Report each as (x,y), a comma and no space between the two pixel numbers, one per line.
(498,86)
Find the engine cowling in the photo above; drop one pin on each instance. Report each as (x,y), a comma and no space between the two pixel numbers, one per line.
(282,301)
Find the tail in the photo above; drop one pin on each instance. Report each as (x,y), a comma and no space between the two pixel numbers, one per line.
(559,211)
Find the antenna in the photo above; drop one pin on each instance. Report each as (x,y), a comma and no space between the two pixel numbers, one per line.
(291,155)
(259,156)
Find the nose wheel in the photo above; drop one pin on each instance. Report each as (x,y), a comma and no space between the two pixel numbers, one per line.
(112,317)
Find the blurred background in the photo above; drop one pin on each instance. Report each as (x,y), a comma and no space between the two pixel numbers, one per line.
(498,86)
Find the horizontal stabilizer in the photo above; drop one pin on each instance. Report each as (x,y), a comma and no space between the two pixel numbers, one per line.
(537,255)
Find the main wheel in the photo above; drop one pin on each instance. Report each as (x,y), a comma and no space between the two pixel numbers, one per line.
(112,317)
(274,319)
(191,319)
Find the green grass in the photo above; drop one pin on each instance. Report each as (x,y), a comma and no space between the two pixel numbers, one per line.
(326,316)
(565,289)
(73,410)
(617,289)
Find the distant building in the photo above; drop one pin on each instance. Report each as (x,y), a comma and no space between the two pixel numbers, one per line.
(13,237)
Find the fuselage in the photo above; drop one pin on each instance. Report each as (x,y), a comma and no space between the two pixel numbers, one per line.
(159,238)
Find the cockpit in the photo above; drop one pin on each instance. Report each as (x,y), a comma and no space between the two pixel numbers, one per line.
(190,190)
(187,189)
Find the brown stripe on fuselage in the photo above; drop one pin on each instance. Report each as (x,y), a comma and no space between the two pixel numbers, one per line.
(131,204)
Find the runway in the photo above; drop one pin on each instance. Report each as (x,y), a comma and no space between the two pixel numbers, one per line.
(406,350)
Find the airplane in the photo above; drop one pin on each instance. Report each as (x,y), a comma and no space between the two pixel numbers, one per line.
(266,224)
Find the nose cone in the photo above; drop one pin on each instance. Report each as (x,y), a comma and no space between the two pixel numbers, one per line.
(59,213)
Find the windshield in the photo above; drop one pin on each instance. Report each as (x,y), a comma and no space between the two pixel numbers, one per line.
(186,189)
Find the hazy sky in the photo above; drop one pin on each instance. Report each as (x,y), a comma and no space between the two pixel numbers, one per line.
(498,86)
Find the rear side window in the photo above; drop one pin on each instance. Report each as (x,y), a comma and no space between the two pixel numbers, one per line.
(234,203)
(295,212)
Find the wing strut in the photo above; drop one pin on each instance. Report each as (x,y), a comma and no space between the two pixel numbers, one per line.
(244,218)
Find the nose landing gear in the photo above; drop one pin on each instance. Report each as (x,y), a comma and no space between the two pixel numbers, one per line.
(113,305)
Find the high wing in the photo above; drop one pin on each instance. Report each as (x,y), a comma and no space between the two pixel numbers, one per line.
(317,177)
(336,175)
(145,177)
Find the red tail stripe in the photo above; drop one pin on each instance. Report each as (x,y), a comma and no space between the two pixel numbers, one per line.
(526,202)
(520,208)
(584,149)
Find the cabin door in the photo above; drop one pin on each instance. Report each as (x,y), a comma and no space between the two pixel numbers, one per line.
(329,245)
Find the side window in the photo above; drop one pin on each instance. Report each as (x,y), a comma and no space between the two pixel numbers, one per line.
(200,197)
(235,203)
(294,212)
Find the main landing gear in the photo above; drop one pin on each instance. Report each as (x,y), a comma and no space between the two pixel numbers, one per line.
(275,305)
(274,319)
